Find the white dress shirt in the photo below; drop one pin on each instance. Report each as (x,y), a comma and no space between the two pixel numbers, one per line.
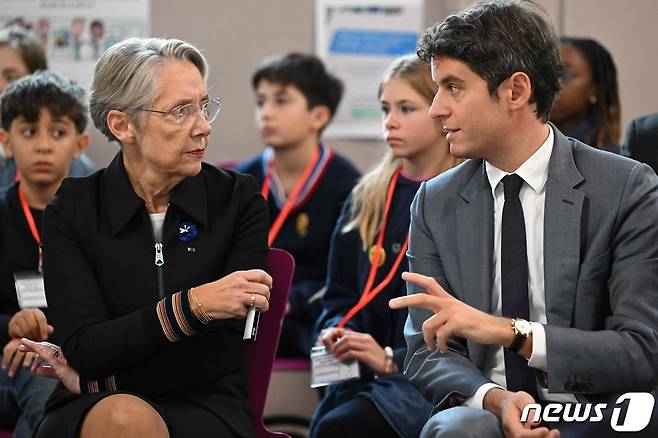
(534,172)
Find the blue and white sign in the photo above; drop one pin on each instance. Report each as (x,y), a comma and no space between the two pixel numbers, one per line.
(358,39)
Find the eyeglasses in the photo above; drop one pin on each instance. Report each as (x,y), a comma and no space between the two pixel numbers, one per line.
(183,114)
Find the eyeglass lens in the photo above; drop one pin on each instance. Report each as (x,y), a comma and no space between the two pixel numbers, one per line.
(209,109)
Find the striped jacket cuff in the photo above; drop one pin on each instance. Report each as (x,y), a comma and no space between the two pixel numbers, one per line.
(107,384)
(176,317)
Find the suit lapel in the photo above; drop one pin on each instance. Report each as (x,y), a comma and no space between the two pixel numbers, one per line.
(475,222)
(562,227)
(475,244)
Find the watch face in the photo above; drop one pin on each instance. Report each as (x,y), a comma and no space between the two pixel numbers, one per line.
(523,327)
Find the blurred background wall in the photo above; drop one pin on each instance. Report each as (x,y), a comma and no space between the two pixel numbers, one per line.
(236,35)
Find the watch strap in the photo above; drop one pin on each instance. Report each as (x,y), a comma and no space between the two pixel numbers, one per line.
(517,343)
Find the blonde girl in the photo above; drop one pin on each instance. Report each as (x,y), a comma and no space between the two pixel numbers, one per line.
(366,259)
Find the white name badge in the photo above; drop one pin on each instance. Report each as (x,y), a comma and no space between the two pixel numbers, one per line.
(326,369)
(30,289)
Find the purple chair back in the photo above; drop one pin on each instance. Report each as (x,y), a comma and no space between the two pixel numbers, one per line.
(5,434)
(281,266)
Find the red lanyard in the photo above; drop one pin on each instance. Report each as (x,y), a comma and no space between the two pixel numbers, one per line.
(30,222)
(290,203)
(368,292)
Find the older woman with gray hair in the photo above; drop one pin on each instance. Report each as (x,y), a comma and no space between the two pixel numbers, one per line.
(151,263)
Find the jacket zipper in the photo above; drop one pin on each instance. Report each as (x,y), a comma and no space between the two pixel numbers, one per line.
(159,263)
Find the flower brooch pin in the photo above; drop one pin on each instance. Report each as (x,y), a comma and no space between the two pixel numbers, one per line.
(187,231)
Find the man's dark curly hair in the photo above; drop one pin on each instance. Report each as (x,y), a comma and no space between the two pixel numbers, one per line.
(498,38)
(306,73)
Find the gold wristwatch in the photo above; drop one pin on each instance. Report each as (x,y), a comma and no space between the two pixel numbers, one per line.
(522,329)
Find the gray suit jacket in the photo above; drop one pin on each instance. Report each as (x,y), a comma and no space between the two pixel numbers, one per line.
(600,268)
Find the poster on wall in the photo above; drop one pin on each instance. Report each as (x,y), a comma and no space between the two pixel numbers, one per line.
(358,39)
(74,33)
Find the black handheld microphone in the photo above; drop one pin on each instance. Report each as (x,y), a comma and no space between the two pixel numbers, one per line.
(251,324)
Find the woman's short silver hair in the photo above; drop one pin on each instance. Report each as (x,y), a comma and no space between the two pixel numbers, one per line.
(125,76)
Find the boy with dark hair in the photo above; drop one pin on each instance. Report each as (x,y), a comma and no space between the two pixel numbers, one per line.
(43,125)
(307,74)
(304,181)
(533,264)
(21,55)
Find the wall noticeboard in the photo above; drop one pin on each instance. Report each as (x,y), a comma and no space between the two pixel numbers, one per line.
(357,40)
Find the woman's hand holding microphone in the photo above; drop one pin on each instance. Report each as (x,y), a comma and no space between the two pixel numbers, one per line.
(232,295)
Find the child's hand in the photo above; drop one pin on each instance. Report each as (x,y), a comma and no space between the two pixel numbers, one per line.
(364,348)
(12,357)
(31,324)
(329,336)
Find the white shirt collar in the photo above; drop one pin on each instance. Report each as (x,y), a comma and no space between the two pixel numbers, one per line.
(534,170)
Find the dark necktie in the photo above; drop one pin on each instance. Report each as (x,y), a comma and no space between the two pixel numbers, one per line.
(514,281)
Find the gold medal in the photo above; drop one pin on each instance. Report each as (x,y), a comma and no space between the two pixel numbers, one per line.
(373,251)
(301,224)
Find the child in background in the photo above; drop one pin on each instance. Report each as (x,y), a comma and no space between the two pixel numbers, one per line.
(304,181)
(43,127)
(21,55)
(366,260)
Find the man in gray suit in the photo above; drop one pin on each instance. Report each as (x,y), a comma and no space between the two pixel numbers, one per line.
(534,265)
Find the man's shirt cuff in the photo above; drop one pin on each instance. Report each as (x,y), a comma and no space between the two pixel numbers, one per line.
(538,357)
(476,400)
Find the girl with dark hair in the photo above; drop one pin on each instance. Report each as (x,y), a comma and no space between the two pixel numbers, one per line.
(587,107)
